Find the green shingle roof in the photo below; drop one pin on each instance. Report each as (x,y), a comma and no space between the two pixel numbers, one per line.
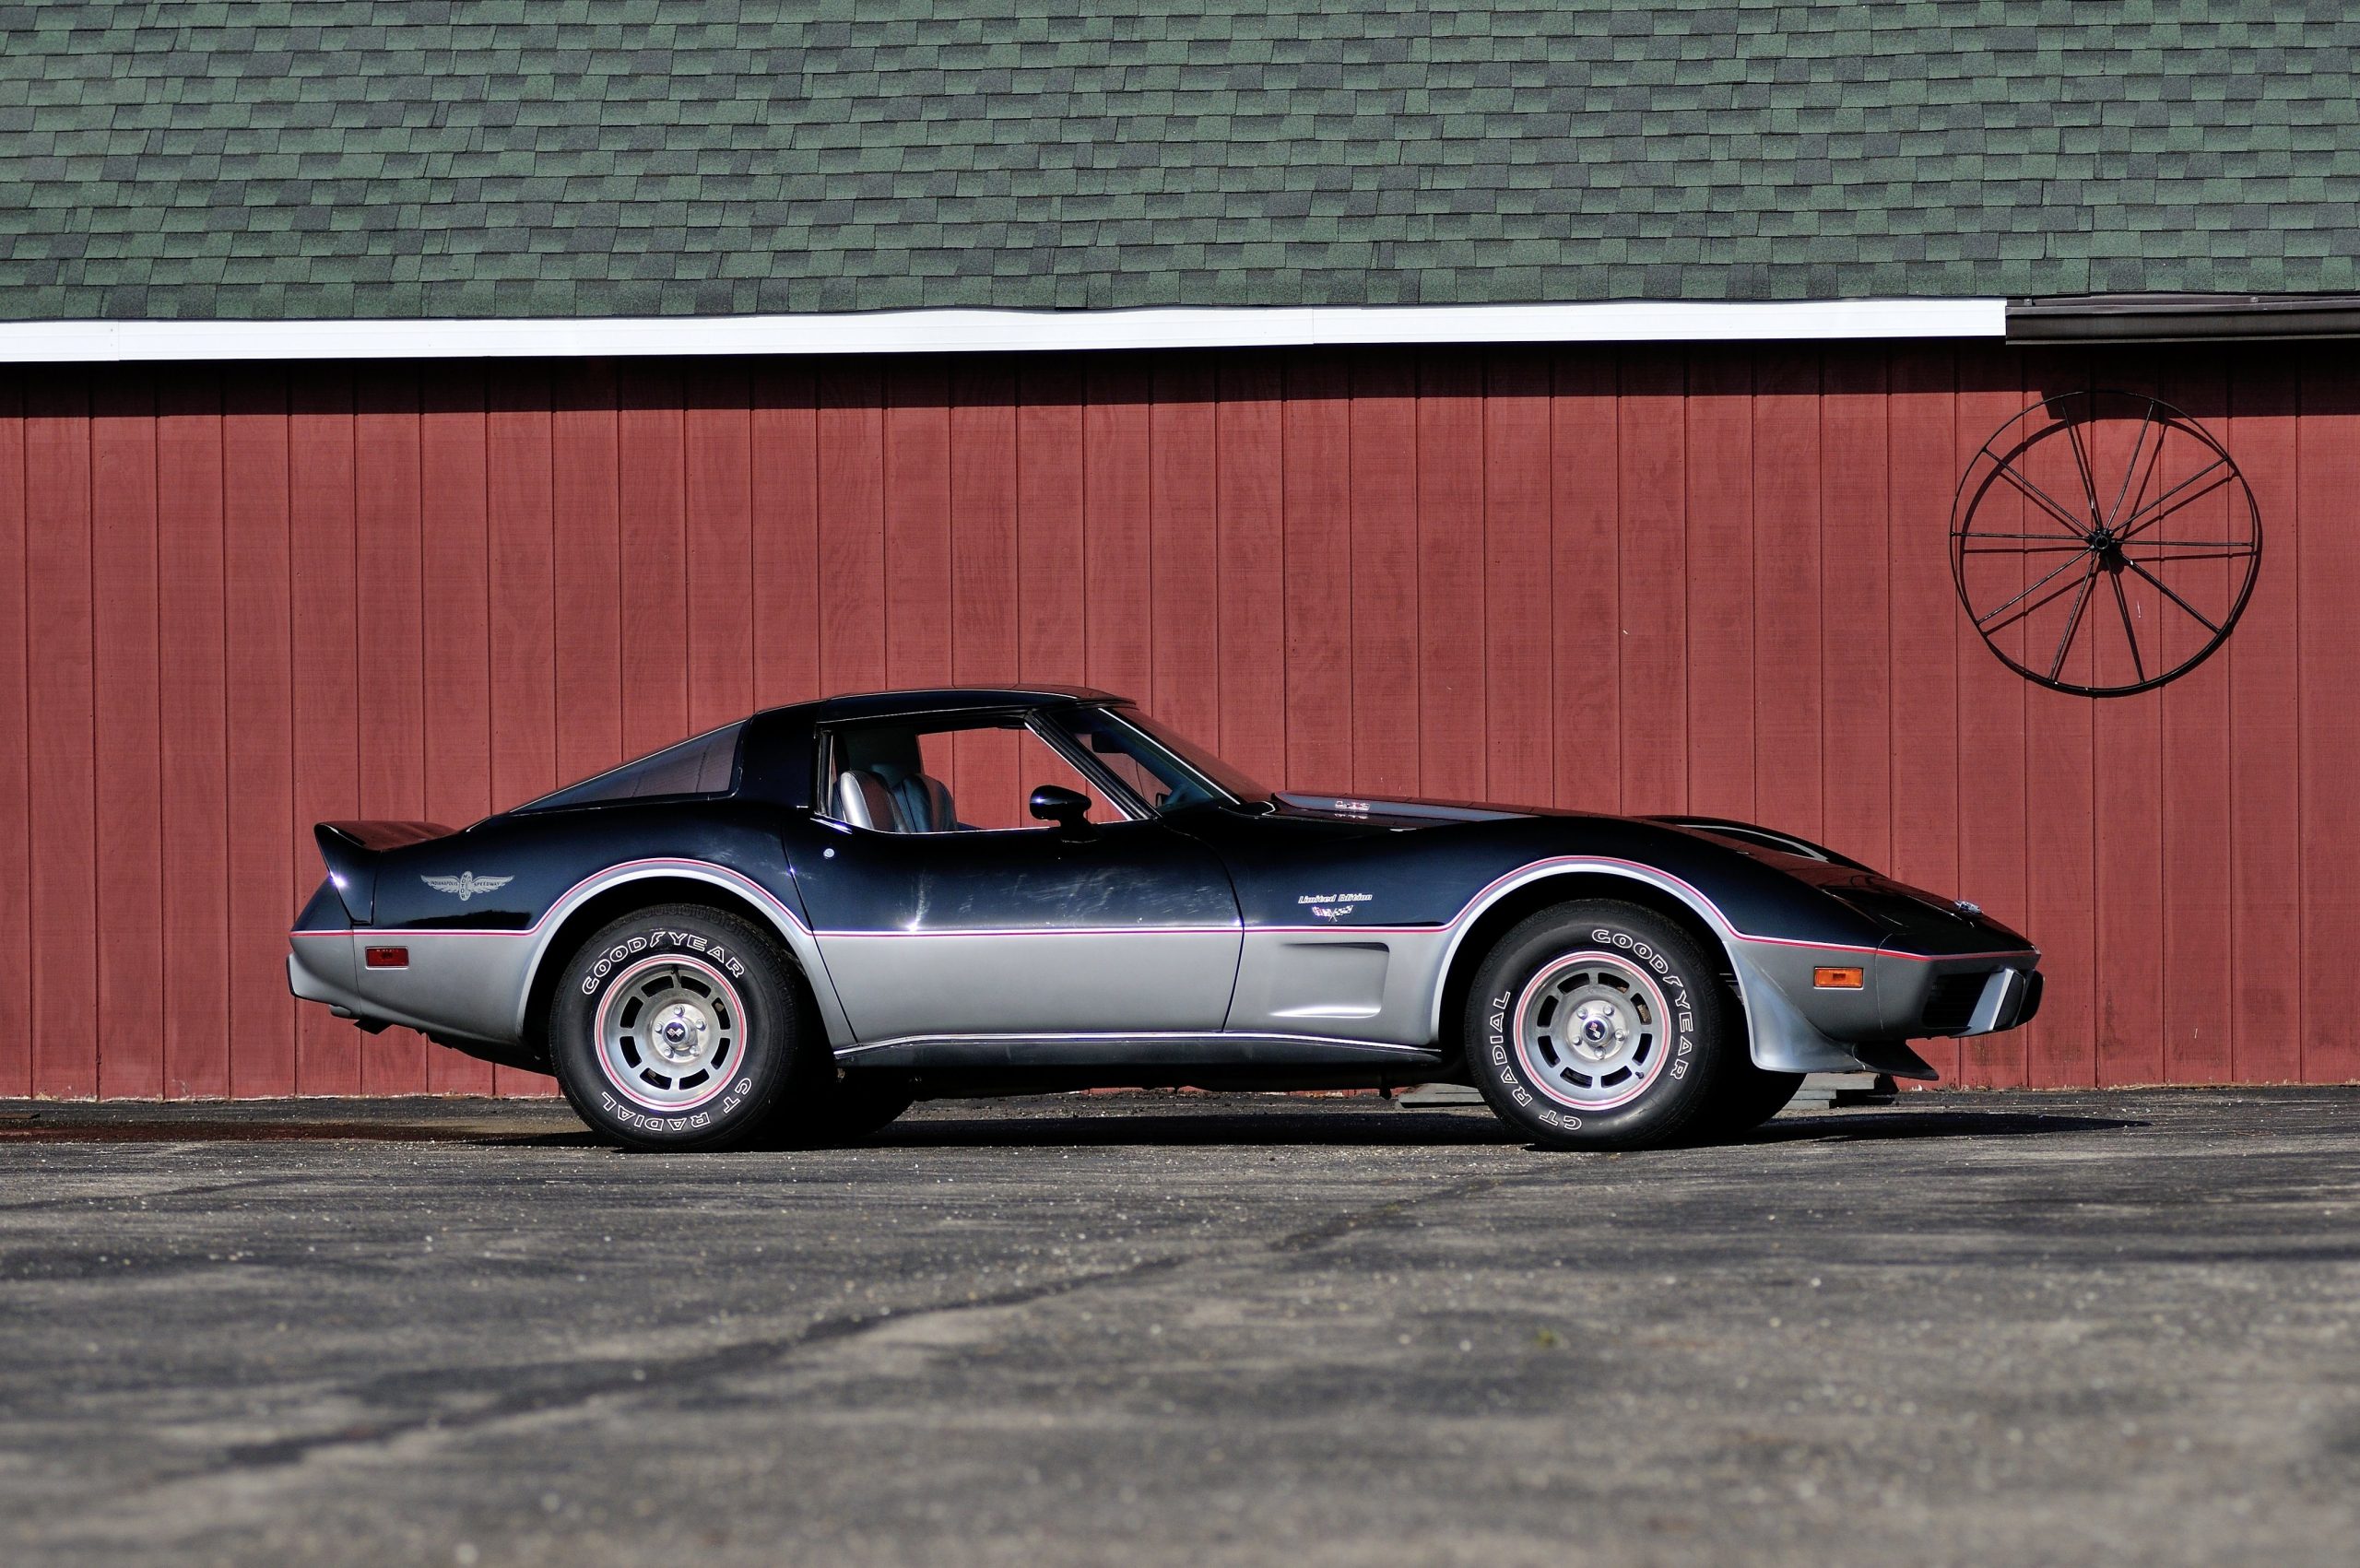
(239,158)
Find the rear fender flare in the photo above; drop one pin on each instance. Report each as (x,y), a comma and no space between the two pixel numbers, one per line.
(774,913)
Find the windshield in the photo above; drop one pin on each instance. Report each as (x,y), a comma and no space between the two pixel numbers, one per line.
(1160,767)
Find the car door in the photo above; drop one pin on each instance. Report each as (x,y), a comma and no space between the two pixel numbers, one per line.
(1007,927)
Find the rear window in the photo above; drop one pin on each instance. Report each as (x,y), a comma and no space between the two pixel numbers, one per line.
(704,765)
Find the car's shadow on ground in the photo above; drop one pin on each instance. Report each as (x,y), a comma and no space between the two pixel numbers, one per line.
(1412,1129)
(1357,1125)
(1873,1126)
(325,1132)
(1276,1129)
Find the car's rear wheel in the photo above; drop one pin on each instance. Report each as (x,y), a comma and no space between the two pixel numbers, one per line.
(1600,1024)
(679,1027)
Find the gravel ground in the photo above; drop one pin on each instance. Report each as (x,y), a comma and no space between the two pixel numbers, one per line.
(2053,1328)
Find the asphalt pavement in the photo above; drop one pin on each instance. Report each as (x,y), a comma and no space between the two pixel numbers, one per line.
(2015,1329)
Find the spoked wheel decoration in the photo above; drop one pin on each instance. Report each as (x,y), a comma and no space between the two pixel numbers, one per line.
(2104,543)
(1590,1030)
(668,1033)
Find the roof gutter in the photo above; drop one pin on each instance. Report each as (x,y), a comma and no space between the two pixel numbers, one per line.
(2181,318)
(2059,319)
(954,332)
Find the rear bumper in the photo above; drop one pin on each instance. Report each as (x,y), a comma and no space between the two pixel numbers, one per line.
(325,967)
(319,969)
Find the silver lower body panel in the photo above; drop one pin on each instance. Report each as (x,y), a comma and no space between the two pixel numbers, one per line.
(454,987)
(989,983)
(1214,1049)
(1370,984)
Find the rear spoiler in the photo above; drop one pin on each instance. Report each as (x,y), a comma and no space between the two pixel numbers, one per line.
(351,851)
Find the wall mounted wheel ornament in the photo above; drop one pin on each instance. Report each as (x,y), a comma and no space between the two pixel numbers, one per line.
(2104,543)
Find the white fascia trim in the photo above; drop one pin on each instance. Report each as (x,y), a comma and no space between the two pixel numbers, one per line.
(936,332)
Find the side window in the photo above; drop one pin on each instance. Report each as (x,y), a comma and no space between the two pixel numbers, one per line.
(1146,767)
(1129,769)
(939,779)
(703,765)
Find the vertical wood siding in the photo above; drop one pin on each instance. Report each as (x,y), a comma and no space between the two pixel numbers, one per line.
(1642,580)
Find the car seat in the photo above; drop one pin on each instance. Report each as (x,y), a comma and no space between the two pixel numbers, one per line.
(890,759)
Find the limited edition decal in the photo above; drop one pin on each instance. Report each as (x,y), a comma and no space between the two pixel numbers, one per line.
(1333,906)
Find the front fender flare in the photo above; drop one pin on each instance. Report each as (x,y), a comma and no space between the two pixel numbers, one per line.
(1779,1037)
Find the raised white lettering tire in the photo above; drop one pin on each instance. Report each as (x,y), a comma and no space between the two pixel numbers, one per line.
(1597,1024)
(679,1027)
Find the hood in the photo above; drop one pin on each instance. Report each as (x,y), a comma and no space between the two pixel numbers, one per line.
(1752,838)
(1747,837)
(1911,916)
(1402,813)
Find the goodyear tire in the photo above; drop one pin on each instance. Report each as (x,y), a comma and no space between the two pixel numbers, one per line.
(679,1027)
(1597,1024)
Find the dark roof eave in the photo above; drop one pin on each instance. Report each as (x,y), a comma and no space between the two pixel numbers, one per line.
(914,701)
(2181,318)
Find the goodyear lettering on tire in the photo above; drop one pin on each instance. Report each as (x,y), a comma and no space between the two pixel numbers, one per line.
(623,953)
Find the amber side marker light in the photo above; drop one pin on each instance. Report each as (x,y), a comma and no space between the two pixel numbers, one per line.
(1837,979)
(388,958)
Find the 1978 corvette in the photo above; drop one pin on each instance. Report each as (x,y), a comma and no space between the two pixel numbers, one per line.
(788,929)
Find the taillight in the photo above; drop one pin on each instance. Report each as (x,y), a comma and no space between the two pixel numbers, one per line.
(387,958)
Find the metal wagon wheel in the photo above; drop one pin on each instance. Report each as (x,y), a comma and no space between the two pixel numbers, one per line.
(2104,543)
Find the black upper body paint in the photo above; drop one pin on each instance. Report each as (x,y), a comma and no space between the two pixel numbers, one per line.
(1263,862)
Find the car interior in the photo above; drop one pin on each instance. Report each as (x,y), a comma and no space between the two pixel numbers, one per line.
(883,784)
(889,778)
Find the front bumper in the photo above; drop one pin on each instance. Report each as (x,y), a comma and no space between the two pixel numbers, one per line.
(1932,998)
(1795,1026)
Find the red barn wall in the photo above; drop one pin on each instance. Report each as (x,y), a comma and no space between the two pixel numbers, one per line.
(1648,580)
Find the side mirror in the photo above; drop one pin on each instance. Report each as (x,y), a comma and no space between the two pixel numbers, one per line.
(1065,807)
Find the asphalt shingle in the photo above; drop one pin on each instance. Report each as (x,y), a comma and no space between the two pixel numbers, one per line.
(257,159)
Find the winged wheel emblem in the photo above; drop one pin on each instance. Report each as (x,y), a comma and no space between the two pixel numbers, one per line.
(467,884)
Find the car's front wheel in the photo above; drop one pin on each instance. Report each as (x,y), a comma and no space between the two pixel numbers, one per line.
(1600,1024)
(679,1027)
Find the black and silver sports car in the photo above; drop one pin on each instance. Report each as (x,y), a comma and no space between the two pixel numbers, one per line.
(788,929)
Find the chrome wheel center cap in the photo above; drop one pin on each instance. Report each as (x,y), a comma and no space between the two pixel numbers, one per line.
(1597,1030)
(680,1035)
